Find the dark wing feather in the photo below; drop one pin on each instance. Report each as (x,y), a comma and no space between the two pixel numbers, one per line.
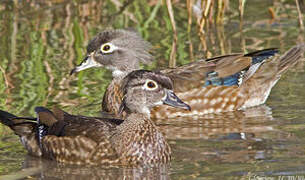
(79,139)
(225,70)
(61,123)
(196,74)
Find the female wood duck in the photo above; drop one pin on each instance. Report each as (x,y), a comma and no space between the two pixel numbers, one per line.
(74,139)
(219,84)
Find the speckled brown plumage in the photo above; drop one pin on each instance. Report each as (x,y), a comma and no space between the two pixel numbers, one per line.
(219,84)
(112,96)
(212,98)
(131,141)
(96,141)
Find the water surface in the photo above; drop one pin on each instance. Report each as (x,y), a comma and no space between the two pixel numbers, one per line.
(42,41)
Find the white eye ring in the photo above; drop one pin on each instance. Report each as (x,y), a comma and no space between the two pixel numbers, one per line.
(150,85)
(108,48)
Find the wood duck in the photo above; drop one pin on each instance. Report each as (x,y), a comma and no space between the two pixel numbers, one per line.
(133,140)
(219,84)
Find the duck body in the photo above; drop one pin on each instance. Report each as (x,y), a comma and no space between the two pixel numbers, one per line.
(74,139)
(93,140)
(219,84)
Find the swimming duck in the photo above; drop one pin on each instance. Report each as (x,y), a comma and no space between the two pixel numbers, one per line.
(76,139)
(219,84)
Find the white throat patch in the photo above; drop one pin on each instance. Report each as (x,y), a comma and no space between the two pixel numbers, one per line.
(116,72)
(146,111)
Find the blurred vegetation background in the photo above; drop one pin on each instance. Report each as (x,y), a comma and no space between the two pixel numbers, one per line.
(41,41)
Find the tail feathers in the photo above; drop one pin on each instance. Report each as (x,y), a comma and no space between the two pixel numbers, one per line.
(25,128)
(27,125)
(290,58)
(20,125)
(271,70)
(258,87)
(6,118)
(31,130)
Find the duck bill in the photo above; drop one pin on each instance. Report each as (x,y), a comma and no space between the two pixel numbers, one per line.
(172,100)
(87,63)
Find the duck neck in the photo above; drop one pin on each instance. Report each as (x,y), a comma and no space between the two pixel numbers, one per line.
(129,114)
(118,74)
(137,117)
(127,110)
(121,73)
(135,121)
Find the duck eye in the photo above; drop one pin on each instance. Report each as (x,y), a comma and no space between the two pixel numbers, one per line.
(108,48)
(151,85)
